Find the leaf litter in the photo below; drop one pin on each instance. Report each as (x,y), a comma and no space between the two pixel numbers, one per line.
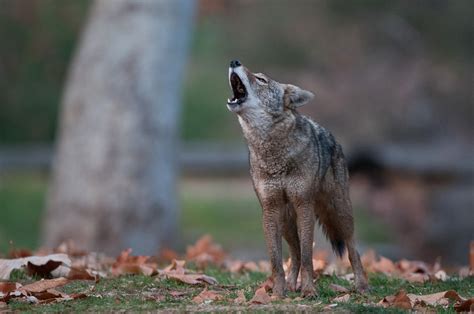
(68,263)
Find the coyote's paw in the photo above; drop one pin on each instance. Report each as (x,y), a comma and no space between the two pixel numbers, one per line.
(308,292)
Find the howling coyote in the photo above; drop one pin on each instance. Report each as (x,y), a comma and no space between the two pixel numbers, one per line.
(299,174)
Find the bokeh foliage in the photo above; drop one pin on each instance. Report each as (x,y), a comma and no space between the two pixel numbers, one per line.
(39,37)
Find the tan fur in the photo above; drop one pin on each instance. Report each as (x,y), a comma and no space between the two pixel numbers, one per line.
(300,177)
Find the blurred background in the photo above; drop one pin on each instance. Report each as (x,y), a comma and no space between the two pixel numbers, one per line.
(114,130)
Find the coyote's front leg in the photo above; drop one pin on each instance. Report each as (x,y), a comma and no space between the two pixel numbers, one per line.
(273,207)
(273,232)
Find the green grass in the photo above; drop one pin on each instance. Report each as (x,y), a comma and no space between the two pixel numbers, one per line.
(21,203)
(141,293)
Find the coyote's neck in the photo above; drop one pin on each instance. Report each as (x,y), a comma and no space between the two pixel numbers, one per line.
(267,136)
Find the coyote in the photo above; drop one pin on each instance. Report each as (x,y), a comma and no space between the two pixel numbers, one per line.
(299,174)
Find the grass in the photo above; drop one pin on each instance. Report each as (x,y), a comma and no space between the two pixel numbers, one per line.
(142,293)
(21,202)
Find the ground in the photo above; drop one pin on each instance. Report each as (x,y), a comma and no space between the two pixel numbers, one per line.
(144,293)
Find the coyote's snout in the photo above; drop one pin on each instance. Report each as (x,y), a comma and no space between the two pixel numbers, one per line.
(256,91)
(299,174)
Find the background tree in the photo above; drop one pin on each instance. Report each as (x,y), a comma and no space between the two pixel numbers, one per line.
(114,177)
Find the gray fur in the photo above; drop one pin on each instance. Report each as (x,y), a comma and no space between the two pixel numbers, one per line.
(300,176)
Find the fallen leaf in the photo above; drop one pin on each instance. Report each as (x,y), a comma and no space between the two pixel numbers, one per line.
(465,306)
(42,270)
(383,265)
(205,252)
(342,298)
(400,300)
(261,297)
(177,294)
(9,290)
(338,288)
(3,305)
(416,277)
(19,253)
(251,266)
(441,275)
(41,265)
(207,295)
(128,264)
(408,301)
(235,266)
(44,285)
(80,274)
(49,296)
(240,299)
(7,287)
(193,279)
(265,266)
(70,248)
(318,265)
(267,284)
(176,266)
(167,255)
(433,299)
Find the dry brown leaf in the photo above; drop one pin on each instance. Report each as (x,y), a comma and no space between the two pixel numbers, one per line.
(128,264)
(433,299)
(205,252)
(267,284)
(400,300)
(42,270)
(265,266)
(240,299)
(50,295)
(465,306)
(235,266)
(416,277)
(80,274)
(44,284)
(167,255)
(318,265)
(208,295)
(261,297)
(338,288)
(176,266)
(41,265)
(177,294)
(441,275)
(7,287)
(71,248)
(343,298)
(384,265)
(19,253)
(193,279)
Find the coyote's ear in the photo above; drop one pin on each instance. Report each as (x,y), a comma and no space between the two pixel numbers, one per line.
(295,97)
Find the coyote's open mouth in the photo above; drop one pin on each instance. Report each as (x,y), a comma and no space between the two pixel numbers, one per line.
(238,89)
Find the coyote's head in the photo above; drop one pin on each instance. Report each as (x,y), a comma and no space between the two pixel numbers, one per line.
(256,92)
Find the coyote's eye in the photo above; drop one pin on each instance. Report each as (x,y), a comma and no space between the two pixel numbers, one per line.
(262,79)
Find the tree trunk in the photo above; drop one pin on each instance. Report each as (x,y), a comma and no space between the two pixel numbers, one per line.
(114,177)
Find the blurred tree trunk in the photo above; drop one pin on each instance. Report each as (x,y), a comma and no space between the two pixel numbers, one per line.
(114,177)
